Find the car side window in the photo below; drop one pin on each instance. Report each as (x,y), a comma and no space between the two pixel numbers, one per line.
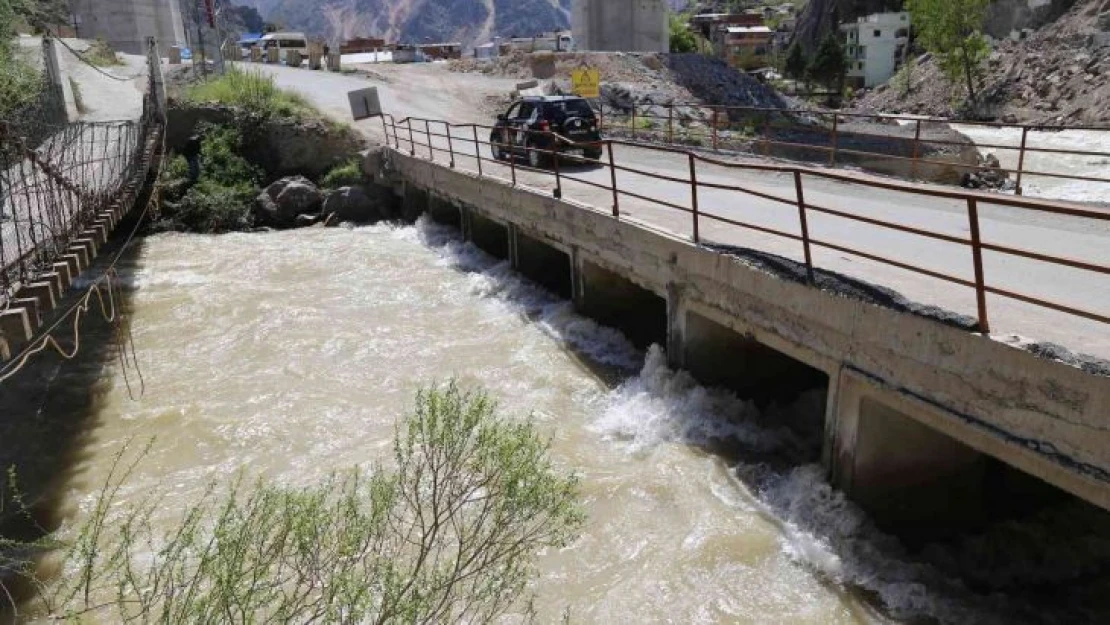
(526,110)
(513,110)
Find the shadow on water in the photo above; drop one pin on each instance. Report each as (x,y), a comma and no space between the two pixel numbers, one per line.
(49,412)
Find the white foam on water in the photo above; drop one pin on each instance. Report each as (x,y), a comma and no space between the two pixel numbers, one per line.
(819,527)
(495,279)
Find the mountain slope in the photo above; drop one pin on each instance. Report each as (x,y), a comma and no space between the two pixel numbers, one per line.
(411,21)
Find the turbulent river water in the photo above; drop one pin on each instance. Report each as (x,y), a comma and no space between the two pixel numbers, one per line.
(292,354)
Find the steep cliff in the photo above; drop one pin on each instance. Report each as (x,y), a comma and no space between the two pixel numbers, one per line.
(414,21)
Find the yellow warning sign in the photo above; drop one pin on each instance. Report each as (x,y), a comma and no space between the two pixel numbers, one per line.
(586,82)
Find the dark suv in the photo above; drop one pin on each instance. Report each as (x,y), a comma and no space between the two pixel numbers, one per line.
(532,127)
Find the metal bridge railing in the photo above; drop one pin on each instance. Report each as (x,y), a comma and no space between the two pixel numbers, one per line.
(830,134)
(436,139)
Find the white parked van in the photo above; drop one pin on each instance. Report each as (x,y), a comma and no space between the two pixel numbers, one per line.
(284,42)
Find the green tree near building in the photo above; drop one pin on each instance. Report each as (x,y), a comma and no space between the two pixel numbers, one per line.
(682,38)
(952,30)
(829,64)
(796,63)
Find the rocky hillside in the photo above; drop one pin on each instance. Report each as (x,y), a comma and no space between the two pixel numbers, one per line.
(1060,74)
(414,20)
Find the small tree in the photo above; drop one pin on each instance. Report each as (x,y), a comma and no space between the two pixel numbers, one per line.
(682,39)
(449,534)
(952,31)
(796,63)
(829,64)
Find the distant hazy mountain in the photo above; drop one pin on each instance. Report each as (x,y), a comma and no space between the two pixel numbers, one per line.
(414,20)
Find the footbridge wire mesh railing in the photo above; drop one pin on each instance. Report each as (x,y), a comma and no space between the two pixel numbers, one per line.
(51,191)
(844,136)
(437,140)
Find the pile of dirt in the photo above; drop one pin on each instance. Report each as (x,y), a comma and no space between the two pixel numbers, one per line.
(1057,75)
(637,78)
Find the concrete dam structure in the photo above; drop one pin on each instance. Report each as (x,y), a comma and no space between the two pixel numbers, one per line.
(621,25)
(924,423)
(125,24)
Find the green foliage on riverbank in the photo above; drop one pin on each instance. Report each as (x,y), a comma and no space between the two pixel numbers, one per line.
(450,533)
(221,199)
(20,82)
(345,175)
(253,92)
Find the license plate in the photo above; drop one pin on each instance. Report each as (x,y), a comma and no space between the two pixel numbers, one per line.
(576,152)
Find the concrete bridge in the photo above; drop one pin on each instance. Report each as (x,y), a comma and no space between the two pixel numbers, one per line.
(926,423)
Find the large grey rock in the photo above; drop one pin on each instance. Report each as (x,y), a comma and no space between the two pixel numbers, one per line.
(353,204)
(282,202)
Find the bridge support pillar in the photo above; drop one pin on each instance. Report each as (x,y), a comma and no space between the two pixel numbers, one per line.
(76,261)
(65,274)
(15,330)
(43,293)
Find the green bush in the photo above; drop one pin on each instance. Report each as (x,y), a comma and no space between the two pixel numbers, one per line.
(449,533)
(212,208)
(101,54)
(253,92)
(345,175)
(222,198)
(20,82)
(221,162)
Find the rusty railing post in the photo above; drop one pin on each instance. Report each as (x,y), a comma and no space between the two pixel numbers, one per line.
(428,131)
(613,182)
(601,117)
(766,134)
(412,139)
(385,130)
(835,141)
(804,224)
(633,121)
(558,193)
(512,157)
(916,150)
(977,258)
(716,145)
(670,124)
(478,149)
(1021,159)
(694,195)
(450,144)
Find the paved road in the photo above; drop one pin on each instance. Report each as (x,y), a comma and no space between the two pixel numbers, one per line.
(431,92)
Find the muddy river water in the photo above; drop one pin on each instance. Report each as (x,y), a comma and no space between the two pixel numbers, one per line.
(292,354)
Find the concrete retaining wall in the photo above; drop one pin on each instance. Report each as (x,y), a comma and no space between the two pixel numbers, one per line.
(1043,417)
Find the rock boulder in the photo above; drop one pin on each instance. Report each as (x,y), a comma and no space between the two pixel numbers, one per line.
(281,203)
(355,204)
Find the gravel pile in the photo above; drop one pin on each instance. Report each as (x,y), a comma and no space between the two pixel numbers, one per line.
(1060,74)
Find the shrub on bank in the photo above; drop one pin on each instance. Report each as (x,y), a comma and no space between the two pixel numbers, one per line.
(449,534)
(221,199)
(253,92)
(345,175)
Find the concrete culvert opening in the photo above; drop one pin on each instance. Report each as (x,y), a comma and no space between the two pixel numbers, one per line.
(719,356)
(543,264)
(489,236)
(926,486)
(615,301)
(444,212)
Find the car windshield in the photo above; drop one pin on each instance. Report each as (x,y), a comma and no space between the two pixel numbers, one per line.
(570,108)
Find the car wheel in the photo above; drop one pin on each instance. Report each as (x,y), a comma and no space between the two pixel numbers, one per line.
(593,155)
(497,151)
(536,158)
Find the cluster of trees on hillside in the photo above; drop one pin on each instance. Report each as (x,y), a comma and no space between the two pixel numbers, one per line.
(951,30)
